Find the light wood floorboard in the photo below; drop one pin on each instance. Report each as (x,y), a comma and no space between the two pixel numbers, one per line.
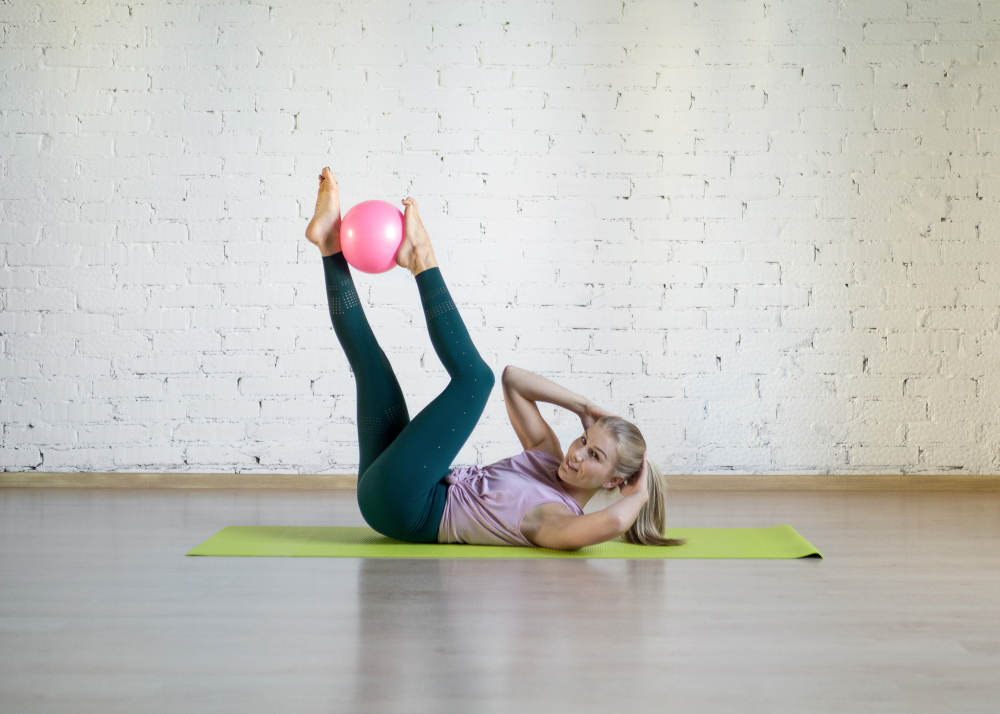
(101,612)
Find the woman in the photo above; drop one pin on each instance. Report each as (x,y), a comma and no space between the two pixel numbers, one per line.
(407,489)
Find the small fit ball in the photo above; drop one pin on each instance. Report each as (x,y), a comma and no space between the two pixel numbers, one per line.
(370,234)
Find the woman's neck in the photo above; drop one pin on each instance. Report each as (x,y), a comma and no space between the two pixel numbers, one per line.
(581,495)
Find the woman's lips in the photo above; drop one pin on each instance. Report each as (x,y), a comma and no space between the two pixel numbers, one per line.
(570,467)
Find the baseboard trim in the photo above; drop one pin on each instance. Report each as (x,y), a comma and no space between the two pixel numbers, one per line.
(327,482)
(835,482)
(217,481)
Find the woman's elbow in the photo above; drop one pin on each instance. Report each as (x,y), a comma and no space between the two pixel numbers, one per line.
(565,546)
(575,541)
(556,541)
(620,524)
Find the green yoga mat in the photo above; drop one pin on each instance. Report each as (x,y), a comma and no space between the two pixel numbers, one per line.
(352,542)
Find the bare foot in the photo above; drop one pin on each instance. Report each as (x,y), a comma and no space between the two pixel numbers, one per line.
(324,228)
(415,252)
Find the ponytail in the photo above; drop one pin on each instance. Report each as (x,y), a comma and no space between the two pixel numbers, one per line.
(652,519)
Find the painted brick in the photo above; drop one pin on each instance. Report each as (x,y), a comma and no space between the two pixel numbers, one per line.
(784,211)
(882,456)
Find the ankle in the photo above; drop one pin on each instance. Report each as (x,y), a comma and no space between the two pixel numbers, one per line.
(423,259)
(330,243)
(327,250)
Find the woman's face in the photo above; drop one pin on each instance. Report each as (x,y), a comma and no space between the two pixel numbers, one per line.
(589,460)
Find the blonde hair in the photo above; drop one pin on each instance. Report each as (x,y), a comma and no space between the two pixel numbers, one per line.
(652,519)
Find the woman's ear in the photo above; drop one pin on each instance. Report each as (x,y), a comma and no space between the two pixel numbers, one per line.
(613,483)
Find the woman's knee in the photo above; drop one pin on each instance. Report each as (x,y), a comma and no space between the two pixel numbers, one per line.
(485,375)
(480,377)
(480,372)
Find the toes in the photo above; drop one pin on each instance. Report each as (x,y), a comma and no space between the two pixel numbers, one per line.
(327,183)
(326,175)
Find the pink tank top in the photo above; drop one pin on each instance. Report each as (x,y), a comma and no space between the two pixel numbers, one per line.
(485,504)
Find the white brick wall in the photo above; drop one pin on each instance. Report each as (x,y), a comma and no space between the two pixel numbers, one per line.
(766,231)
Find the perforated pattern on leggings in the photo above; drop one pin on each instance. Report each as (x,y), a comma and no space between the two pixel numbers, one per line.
(379,424)
(341,300)
(334,300)
(441,309)
(434,293)
(370,425)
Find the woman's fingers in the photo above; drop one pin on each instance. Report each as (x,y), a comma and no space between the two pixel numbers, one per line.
(595,412)
(592,414)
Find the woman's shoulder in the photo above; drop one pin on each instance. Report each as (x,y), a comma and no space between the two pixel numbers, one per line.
(530,460)
(535,467)
(537,464)
(541,455)
(543,469)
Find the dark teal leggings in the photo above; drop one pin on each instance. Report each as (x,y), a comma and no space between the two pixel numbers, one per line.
(401,487)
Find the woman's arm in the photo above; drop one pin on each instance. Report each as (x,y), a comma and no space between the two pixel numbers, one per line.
(521,390)
(537,388)
(553,526)
(559,529)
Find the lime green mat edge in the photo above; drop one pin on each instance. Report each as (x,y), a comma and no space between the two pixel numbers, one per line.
(354,542)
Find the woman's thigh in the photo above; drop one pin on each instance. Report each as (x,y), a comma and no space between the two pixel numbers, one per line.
(402,494)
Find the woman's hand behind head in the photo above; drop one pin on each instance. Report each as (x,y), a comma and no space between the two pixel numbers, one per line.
(592,413)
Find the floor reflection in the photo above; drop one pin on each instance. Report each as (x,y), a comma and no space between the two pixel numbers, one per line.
(468,630)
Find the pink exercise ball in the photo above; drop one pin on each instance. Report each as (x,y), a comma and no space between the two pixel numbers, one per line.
(370,234)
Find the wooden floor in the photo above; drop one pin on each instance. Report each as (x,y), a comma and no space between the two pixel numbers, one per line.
(101,612)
